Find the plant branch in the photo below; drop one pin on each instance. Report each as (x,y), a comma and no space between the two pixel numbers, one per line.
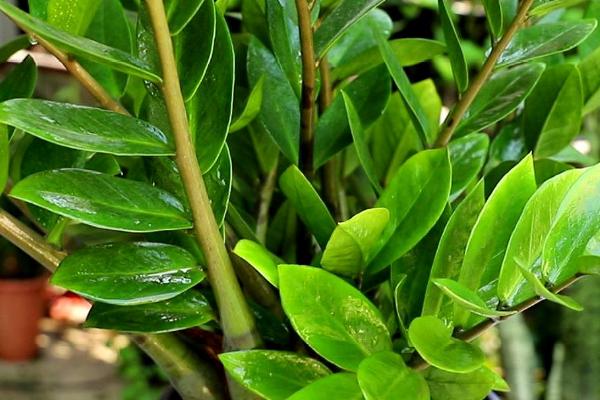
(237,321)
(266,195)
(455,116)
(309,77)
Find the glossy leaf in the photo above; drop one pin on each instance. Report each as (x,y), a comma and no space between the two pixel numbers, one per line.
(455,52)
(467,299)
(4,157)
(360,143)
(415,197)
(252,107)
(210,115)
(546,293)
(474,385)
(85,128)
(20,81)
(219,180)
(260,258)
(493,13)
(467,156)
(385,376)
(590,78)
(342,385)
(500,96)
(307,203)
(273,375)
(184,311)
(434,342)
(103,201)
(343,16)
(73,16)
(527,240)
(552,115)
(80,46)
(541,8)
(353,241)
(10,47)
(332,316)
(484,253)
(180,13)
(545,39)
(128,273)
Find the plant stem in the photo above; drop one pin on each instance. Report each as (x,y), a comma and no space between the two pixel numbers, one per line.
(236,319)
(266,195)
(455,116)
(309,77)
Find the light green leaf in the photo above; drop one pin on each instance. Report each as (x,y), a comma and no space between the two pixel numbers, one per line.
(103,201)
(73,16)
(473,385)
(590,78)
(542,291)
(467,156)
(252,107)
(20,81)
(342,385)
(260,258)
(184,311)
(455,52)
(543,7)
(468,299)
(128,273)
(85,128)
(273,375)
(332,316)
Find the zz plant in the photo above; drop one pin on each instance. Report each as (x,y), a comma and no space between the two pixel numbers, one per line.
(304,222)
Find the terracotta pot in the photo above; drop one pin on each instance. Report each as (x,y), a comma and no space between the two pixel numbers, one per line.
(21,308)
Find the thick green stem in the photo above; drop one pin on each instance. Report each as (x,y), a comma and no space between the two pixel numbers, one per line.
(455,116)
(236,320)
(266,195)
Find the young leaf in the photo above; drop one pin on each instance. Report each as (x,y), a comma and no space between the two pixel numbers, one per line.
(527,240)
(353,241)
(80,46)
(252,107)
(180,13)
(73,16)
(309,206)
(545,39)
(457,58)
(20,81)
(467,156)
(342,385)
(451,250)
(385,376)
(343,16)
(491,233)
(210,115)
(415,197)
(542,291)
(273,375)
(103,201)
(360,143)
(128,273)
(473,385)
(260,258)
(434,342)
(85,128)
(500,96)
(468,299)
(187,310)
(332,316)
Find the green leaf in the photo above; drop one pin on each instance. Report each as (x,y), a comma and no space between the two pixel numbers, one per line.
(545,39)
(260,258)
(590,78)
(353,241)
(360,143)
(500,96)
(80,46)
(541,8)
(455,52)
(20,81)
(468,299)
(415,110)
(451,250)
(128,273)
(194,47)
(415,197)
(273,375)
(252,107)
(493,13)
(85,128)
(474,385)
(491,233)
(309,206)
(369,94)
(103,201)
(385,376)
(343,16)
(280,113)
(180,13)
(577,222)
(10,47)
(219,180)
(332,316)
(467,156)
(184,311)
(409,52)
(73,16)
(434,342)
(542,291)
(527,240)
(4,157)
(210,115)
(342,385)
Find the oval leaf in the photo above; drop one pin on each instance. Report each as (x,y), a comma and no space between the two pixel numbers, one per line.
(260,258)
(342,385)
(20,81)
(468,299)
(467,156)
(474,385)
